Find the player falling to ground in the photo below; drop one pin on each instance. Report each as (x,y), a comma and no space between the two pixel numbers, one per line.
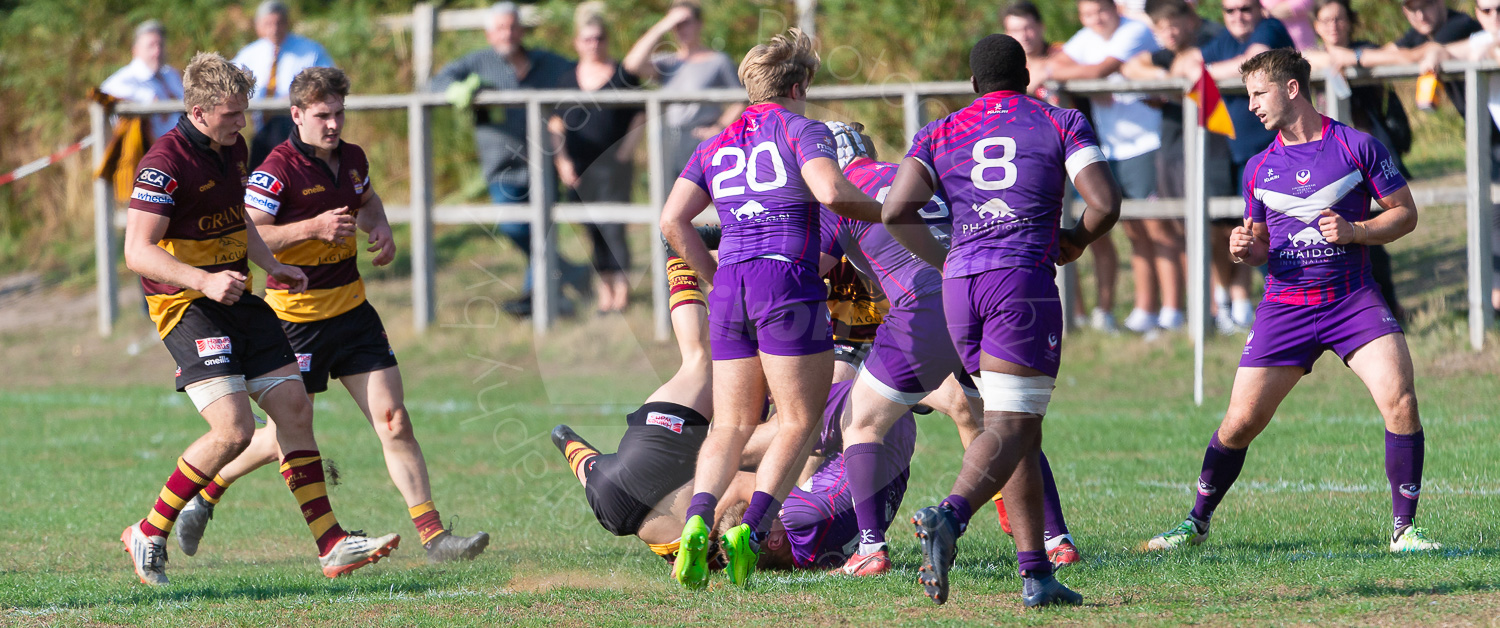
(1307,213)
(644,488)
(912,355)
(768,320)
(308,197)
(188,239)
(1001,163)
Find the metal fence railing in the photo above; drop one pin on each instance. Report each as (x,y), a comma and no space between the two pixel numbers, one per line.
(543,210)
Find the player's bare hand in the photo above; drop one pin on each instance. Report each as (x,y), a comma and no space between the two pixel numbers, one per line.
(332,226)
(382,241)
(1069,247)
(292,276)
(1242,240)
(1335,229)
(224,286)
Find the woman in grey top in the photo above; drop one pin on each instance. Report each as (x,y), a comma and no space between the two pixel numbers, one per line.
(692,66)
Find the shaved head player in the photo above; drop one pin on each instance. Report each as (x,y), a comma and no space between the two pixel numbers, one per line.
(1001,162)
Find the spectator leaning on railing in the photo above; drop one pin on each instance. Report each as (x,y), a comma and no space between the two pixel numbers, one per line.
(500,132)
(692,66)
(274,58)
(146,78)
(597,160)
(1129,133)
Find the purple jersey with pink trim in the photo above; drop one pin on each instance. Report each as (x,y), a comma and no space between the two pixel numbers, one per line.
(870,247)
(1001,162)
(753,171)
(1287,187)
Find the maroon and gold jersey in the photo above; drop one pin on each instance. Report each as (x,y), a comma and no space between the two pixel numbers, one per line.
(294,185)
(201,192)
(855,311)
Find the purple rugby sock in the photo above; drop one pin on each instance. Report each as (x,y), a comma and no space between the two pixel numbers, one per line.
(1221,466)
(1033,563)
(865,464)
(1053,523)
(959,506)
(1403,467)
(761,505)
(703,505)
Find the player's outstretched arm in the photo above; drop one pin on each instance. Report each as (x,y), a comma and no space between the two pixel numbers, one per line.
(1398,219)
(143,230)
(1101,195)
(261,254)
(829,185)
(911,190)
(686,201)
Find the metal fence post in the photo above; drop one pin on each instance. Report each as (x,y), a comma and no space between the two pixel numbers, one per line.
(541,191)
(1338,108)
(1477,163)
(656,162)
(104,226)
(423,33)
(1195,206)
(911,116)
(419,148)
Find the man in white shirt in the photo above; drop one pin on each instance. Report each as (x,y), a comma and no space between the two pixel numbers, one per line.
(274,59)
(1129,129)
(146,79)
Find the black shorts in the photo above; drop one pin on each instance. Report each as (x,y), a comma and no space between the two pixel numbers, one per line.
(851,352)
(348,344)
(217,340)
(657,455)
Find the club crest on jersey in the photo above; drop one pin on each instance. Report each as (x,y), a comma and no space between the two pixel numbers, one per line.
(218,345)
(359,184)
(304,362)
(1308,236)
(1411,491)
(995,208)
(665,420)
(1303,176)
(1051,341)
(1205,489)
(152,176)
(265,181)
(749,210)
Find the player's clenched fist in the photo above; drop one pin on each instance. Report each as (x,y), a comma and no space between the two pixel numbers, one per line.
(1069,248)
(1241,240)
(224,286)
(332,226)
(1335,229)
(293,277)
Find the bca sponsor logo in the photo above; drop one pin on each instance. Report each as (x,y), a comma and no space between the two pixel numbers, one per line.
(1303,176)
(304,362)
(265,181)
(152,176)
(1411,491)
(212,346)
(664,420)
(223,359)
(1205,489)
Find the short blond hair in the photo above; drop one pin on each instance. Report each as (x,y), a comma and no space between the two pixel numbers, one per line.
(770,70)
(209,80)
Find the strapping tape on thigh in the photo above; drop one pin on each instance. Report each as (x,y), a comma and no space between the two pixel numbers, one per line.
(259,386)
(211,390)
(1014,393)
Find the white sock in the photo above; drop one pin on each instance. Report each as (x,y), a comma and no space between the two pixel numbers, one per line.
(1052,543)
(865,549)
(1242,310)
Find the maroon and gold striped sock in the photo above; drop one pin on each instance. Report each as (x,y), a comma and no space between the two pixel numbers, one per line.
(184,483)
(303,471)
(578,453)
(425,517)
(215,490)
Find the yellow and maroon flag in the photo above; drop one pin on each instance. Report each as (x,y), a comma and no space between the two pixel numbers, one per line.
(1212,114)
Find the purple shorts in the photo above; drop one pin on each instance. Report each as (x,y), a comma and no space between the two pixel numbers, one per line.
(1297,335)
(1011,313)
(767,305)
(912,354)
(819,520)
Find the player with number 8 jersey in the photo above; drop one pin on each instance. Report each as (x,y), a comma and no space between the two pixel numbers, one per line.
(766,174)
(1001,163)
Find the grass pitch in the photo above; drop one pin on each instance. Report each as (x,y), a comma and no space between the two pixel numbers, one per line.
(90,432)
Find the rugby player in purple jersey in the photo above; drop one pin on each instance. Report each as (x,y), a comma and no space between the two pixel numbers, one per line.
(1307,213)
(1001,163)
(766,175)
(910,358)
